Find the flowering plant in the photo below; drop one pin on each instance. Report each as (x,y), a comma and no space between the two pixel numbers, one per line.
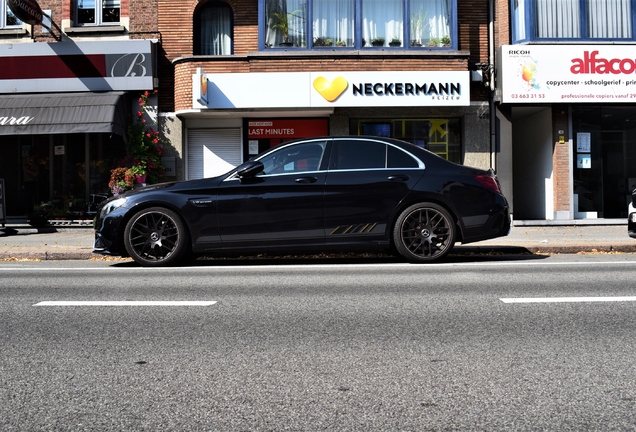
(121,180)
(145,144)
(144,148)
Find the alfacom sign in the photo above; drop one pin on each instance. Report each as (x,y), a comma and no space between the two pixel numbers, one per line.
(331,89)
(567,74)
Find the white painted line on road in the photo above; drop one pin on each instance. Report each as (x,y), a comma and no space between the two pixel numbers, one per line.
(125,303)
(567,299)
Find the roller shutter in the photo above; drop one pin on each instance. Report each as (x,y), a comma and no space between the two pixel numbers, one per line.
(213,152)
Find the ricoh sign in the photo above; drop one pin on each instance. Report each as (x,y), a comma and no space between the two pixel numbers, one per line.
(568,74)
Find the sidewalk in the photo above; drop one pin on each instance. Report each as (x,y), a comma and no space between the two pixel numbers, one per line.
(75,243)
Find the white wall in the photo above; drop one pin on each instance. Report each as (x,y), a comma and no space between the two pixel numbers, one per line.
(532,164)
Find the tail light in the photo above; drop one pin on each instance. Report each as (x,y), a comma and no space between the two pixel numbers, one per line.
(489,182)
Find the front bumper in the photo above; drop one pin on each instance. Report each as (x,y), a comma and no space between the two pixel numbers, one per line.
(109,237)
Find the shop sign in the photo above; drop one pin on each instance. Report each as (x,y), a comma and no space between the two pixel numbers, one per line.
(332,89)
(567,74)
(77,66)
(11,121)
(27,11)
(286,129)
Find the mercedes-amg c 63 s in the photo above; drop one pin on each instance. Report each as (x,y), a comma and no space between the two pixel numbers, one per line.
(330,193)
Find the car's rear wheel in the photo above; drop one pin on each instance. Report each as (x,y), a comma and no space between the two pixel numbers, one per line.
(156,237)
(424,232)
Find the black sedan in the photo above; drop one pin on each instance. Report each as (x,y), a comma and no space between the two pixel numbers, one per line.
(331,193)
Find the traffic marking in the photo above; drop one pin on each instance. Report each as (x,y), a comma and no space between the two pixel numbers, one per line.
(567,299)
(125,303)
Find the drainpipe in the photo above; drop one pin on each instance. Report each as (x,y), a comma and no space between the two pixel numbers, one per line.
(491,93)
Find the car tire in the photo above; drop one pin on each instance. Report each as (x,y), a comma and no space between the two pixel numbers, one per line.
(156,237)
(424,232)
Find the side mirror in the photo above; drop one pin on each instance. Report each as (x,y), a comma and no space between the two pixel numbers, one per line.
(250,169)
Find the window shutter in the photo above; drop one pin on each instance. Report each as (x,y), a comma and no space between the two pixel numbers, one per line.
(212,152)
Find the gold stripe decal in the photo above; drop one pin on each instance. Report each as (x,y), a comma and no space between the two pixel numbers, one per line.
(355,229)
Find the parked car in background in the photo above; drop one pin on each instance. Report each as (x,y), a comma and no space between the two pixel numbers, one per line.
(631,216)
(331,193)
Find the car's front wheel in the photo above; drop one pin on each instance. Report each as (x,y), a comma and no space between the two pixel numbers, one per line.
(424,232)
(156,237)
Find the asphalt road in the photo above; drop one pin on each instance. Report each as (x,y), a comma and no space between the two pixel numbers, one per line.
(384,346)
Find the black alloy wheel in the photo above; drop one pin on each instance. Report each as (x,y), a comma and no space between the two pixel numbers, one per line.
(424,232)
(156,237)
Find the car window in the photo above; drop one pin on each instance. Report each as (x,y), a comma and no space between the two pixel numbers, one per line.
(358,154)
(400,159)
(293,159)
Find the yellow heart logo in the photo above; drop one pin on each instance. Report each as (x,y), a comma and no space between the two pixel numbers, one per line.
(330,90)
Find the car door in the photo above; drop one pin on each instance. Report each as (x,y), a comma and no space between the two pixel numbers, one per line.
(366,181)
(283,202)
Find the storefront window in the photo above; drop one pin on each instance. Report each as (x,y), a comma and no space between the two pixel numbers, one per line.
(440,136)
(604,160)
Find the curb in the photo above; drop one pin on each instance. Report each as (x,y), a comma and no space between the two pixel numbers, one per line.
(84,254)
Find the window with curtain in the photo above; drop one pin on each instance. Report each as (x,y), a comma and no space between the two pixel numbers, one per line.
(382,22)
(97,12)
(359,24)
(572,19)
(333,23)
(430,22)
(7,18)
(286,23)
(213,28)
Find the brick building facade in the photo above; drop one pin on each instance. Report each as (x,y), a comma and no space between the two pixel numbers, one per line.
(468,122)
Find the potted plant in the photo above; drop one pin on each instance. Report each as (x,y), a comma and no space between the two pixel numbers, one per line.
(445,40)
(395,42)
(328,42)
(139,169)
(433,42)
(283,25)
(319,41)
(341,43)
(377,41)
(121,180)
(417,26)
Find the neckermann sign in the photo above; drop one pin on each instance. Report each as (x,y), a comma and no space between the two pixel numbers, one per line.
(27,11)
(568,74)
(331,89)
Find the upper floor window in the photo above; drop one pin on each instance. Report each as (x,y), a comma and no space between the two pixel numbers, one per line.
(7,18)
(213,29)
(97,12)
(359,24)
(572,20)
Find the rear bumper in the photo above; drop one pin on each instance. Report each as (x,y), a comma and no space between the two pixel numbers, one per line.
(496,224)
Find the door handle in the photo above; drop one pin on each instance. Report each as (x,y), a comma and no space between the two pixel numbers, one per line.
(398,178)
(306,180)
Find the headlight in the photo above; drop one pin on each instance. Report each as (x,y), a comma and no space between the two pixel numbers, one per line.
(112,205)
